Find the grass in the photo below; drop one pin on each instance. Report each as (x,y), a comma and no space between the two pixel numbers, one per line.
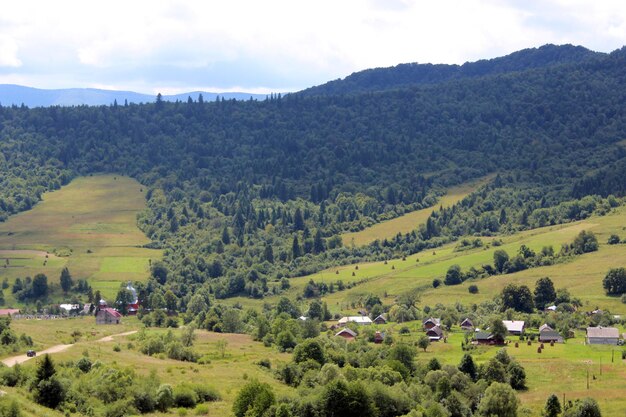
(88,226)
(410,221)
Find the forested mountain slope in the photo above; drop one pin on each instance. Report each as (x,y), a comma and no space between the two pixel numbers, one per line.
(244,193)
(407,75)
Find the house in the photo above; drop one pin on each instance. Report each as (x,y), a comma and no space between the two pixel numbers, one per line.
(484,338)
(602,335)
(431,322)
(108,316)
(434,333)
(382,319)
(549,335)
(545,327)
(346,333)
(515,327)
(467,325)
(9,311)
(379,337)
(362,320)
(303,318)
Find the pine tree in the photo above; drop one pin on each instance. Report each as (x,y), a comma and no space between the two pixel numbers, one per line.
(66,280)
(296,252)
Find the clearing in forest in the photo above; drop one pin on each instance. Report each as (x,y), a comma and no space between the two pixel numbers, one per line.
(88,226)
(410,221)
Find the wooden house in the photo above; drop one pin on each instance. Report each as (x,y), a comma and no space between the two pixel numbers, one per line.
(431,322)
(382,319)
(467,325)
(435,333)
(346,333)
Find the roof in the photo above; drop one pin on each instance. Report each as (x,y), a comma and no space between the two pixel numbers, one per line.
(545,327)
(435,321)
(610,332)
(467,322)
(437,330)
(7,311)
(550,335)
(303,318)
(381,317)
(355,319)
(111,311)
(514,325)
(346,331)
(69,307)
(483,336)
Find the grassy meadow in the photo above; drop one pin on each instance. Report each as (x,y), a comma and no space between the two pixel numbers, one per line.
(88,226)
(409,221)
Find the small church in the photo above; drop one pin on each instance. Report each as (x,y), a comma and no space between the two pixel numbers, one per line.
(107,315)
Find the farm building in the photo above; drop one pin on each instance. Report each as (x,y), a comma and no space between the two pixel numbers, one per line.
(486,338)
(602,335)
(382,319)
(9,311)
(362,320)
(515,327)
(548,336)
(431,322)
(434,333)
(346,333)
(467,324)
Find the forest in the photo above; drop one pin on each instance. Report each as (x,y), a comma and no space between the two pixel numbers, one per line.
(242,194)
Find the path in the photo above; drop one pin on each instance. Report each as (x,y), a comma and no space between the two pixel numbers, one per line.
(55,349)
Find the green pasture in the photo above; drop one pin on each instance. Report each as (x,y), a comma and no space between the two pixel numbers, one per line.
(88,226)
(410,221)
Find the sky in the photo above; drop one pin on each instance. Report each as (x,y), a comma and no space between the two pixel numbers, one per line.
(262,46)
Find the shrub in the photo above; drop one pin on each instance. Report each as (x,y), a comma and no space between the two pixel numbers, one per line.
(202,410)
(436,282)
(614,240)
(84,364)
(473,289)
(205,393)
(185,397)
(404,330)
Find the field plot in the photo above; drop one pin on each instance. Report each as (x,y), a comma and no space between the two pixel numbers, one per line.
(410,221)
(88,226)
(582,275)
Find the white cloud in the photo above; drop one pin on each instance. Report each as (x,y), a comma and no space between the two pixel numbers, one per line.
(275,44)
(8,53)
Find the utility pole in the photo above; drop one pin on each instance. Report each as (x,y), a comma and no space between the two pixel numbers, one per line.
(587,377)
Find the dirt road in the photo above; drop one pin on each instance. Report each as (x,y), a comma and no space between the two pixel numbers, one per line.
(55,349)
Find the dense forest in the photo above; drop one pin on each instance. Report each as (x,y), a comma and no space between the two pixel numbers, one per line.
(242,194)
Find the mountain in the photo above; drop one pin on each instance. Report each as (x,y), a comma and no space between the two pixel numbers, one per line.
(11,94)
(405,75)
(241,194)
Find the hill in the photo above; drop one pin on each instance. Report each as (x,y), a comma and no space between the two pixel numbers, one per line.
(407,75)
(88,226)
(35,97)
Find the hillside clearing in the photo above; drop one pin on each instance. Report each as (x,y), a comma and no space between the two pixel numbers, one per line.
(88,226)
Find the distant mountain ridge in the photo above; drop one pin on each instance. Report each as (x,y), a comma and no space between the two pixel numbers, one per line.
(406,75)
(11,94)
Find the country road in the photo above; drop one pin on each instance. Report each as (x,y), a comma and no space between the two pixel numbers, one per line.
(55,349)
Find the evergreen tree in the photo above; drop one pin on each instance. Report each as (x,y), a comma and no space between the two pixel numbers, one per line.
(66,280)
(296,251)
(553,407)
(468,367)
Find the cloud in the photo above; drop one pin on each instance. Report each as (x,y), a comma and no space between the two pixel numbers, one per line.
(277,44)
(8,53)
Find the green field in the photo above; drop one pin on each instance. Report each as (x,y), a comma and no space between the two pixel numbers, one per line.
(88,226)
(410,221)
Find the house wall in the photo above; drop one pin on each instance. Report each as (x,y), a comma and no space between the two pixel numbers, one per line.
(602,340)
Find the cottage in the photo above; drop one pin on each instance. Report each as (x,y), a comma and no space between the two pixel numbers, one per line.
(548,336)
(515,327)
(434,333)
(431,322)
(544,327)
(602,335)
(484,338)
(361,320)
(467,325)
(382,319)
(379,337)
(346,333)
(108,316)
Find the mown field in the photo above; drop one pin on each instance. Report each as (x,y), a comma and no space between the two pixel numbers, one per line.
(88,226)
(410,221)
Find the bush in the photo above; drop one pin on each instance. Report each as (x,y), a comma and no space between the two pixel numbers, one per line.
(205,393)
(185,397)
(202,410)
(84,364)
(473,289)
(614,240)
(436,282)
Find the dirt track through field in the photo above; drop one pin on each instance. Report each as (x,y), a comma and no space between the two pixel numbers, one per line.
(55,349)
